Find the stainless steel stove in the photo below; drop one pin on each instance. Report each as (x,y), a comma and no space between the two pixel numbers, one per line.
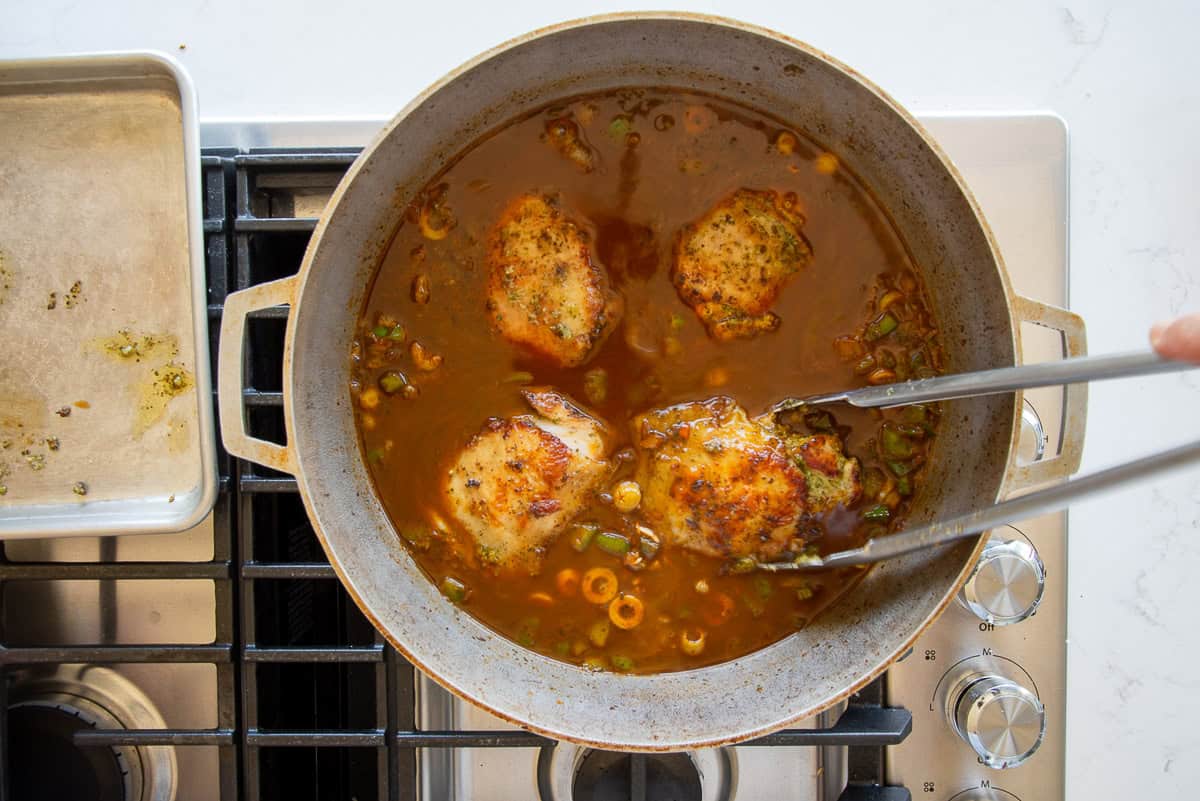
(992,671)
(234,666)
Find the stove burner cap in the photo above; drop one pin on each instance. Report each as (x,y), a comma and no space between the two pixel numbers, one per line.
(612,776)
(46,764)
(48,707)
(569,772)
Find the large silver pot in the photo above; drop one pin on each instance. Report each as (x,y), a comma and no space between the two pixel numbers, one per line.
(972,465)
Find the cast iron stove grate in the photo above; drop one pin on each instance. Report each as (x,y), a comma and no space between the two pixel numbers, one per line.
(312,702)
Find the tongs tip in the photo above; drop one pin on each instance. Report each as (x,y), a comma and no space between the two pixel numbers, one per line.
(800,563)
(793,404)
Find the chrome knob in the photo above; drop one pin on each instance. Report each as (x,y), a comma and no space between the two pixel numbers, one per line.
(1007,583)
(1031,444)
(978,795)
(1001,720)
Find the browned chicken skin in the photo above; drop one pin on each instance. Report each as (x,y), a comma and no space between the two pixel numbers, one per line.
(544,291)
(833,478)
(719,483)
(520,480)
(732,263)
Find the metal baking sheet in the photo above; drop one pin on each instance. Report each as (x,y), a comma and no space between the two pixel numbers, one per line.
(105,396)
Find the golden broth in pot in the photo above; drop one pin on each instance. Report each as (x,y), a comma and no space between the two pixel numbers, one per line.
(634,171)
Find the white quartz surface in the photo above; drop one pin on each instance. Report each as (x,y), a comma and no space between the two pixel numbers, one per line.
(1124,76)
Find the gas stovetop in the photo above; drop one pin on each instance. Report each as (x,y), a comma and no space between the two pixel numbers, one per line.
(227,662)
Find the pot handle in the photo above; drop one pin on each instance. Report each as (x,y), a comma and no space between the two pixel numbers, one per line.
(1074,422)
(231,373)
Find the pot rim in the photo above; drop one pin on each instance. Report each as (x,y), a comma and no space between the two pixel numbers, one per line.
(302,276)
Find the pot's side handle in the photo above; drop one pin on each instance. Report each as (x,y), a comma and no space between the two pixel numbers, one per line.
(231,372)
(1066,463)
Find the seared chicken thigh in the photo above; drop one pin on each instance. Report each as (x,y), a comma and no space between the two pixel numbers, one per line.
(832,477)
(517,482)
(719,483)
(731,264)
(544,291)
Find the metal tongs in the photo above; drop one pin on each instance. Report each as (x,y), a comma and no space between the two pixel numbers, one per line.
(993,382)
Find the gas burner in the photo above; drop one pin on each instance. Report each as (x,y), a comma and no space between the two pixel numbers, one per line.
(45,712)
(569,772)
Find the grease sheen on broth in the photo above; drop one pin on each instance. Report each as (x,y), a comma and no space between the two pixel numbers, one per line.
(430,370)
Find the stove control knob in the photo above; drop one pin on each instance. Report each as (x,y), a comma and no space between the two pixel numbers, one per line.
(1001,720)
(977,795)
(1006,586)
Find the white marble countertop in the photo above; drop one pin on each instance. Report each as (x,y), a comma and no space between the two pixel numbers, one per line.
(1125,79)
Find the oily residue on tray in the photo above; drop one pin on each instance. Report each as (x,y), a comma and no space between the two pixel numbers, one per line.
(24,445)
(71,298)
(21,414)
(74,295)
(158,377)
(178,434)
(156,390)
(6,277)
(126,345)
(27,444)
